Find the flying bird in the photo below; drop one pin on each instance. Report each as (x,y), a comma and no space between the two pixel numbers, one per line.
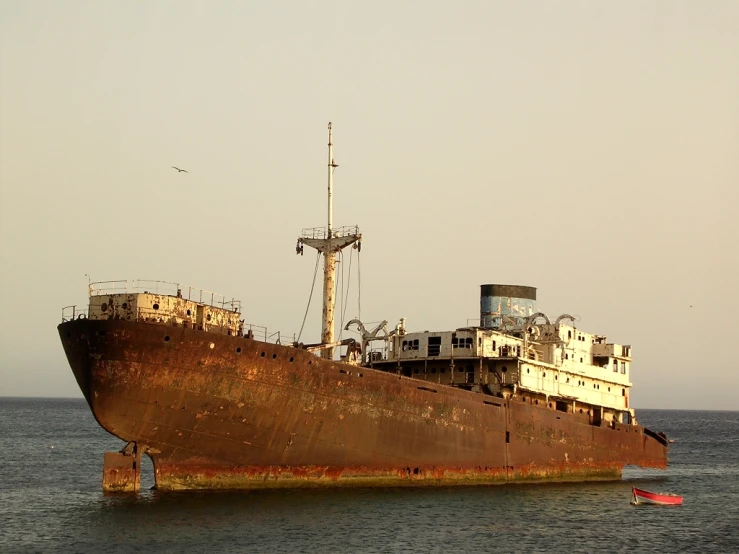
(180,170)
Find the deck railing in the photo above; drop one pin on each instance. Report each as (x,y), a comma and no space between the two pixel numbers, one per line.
(70,313)
(248,330)
(322,232)
(167,288)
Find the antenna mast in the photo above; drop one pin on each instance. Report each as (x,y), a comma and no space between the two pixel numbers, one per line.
(331,166)
(329,242)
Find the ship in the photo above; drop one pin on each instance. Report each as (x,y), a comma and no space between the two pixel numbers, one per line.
(217,403)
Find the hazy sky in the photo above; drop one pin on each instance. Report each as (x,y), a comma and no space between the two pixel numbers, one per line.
(590,149)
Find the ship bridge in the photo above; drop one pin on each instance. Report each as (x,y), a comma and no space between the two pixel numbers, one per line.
(518,353)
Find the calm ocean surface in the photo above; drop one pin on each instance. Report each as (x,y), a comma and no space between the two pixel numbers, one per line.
(51,500)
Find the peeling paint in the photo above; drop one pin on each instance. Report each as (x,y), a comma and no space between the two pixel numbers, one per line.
(289,419)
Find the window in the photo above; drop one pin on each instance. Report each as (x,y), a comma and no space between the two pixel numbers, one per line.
(462,342)
(410,345)
(434,348)
(615,366)
(623,368)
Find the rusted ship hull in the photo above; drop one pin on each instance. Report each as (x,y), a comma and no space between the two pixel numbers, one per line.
(217,411)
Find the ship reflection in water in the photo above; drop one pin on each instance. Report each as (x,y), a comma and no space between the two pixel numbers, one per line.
(217,403)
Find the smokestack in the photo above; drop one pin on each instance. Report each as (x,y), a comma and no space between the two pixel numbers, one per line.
(513,301)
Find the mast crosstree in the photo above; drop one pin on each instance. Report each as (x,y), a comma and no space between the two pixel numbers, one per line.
(329,241)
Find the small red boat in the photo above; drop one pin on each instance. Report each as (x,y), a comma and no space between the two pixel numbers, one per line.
(661,498)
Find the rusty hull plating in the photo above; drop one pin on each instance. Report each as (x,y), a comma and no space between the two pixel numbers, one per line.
(219,411)
(174,371)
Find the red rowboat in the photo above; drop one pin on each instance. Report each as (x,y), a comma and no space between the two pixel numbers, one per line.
(661,498)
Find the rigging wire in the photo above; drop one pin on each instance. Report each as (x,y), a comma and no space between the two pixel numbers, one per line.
(359,284)
(345,303)
(341,292)
(315,272)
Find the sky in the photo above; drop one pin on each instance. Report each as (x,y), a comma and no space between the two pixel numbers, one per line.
(589,149)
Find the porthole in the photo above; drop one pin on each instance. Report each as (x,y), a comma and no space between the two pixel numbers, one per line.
(292,359)
(124,305)
(189,312)
(208,317)
(433,370)
(536,402)
(609,389)
(166,339)
(528,370)
(505,369)
(212,345)
(155,306)
(262,354)
(580,410)
(556,378)
(550,404)
(274,356)
(544,375)
(238,350)
(104,307)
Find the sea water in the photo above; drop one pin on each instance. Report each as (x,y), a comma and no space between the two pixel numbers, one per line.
(51,454)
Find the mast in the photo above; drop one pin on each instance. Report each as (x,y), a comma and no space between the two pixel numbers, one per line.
(331,166)
(329,242)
